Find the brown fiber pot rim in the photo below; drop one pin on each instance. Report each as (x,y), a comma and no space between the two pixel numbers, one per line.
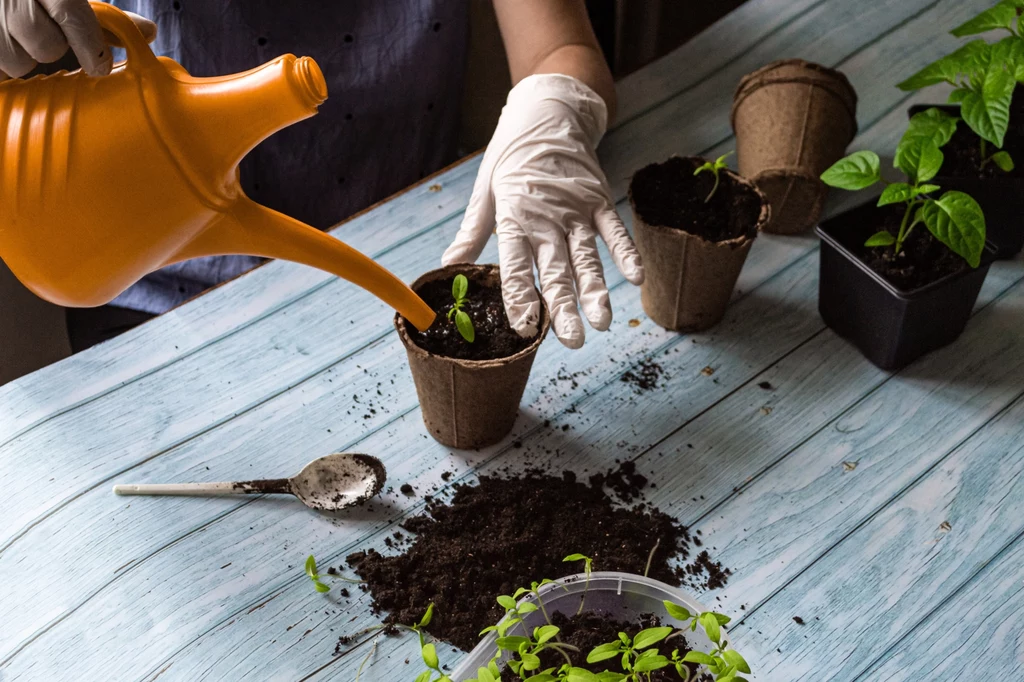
(818,75)
(735,242)
(491,275)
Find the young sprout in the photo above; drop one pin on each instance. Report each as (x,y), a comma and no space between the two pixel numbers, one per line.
(955,219)
(428,651)
(637,658)
(588,564)
(314,575)
(465,325)
(724,663)
(714,167)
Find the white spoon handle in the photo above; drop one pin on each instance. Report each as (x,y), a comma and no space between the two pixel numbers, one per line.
(205,489)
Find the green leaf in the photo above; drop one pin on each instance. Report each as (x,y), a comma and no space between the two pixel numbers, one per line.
(424,676)
(527,607)
(484,675)
(698,657)
(530,661)
(733,658)
(896,193)
(460,286)
(707,167)
(544,633)
(711,627)
(988,112)
(646,664)
(932,124)
(1002,15)
(428,616)
(1010,53)
(311,567)
(957,221)
(604,652)
(720,161)
(722,618)
(1003,160)
(430,656)
(857,171)
(575,557)
(882,238)
(947,69)
(512,642)
(676,611)
(646,638)
(506,602)
(919,158)
(580,675)
(520,592)
(609,676)
(927,189)
(320,587)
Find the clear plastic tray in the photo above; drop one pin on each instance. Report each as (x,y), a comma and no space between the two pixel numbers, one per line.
(623,595)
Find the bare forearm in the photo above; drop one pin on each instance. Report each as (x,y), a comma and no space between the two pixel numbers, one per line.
(554,36)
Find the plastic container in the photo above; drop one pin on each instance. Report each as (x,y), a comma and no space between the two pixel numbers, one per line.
(623,595)
(1000,198)
(891,327)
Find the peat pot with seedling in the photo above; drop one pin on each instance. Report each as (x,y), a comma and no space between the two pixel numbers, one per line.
(470,367)
(694,222)
(793,119)
(980,158)
(900,277)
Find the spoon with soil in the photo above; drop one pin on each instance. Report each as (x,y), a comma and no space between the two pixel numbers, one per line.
(327,484)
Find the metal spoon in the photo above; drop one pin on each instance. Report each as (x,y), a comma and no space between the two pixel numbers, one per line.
(326,484)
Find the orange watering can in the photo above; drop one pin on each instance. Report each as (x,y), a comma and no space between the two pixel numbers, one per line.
(103,180)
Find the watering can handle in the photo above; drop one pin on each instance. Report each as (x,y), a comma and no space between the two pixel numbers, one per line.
(126,34)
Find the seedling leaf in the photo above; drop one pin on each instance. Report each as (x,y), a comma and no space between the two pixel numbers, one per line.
(920,158)
(1002,16)
(320,587)
(987,111)
(604,652)
(1003,160)
(460,286)
(711,627)
(698,657)
(880,239)
(430,655)
(544,633)
(957,221)
(311,567)
(424,676)
(650,636)
(733,658)
(506,602)
(857,171)
(465,326)
(428,616)
(896,193)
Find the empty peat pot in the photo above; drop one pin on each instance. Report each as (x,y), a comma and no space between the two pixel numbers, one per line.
(892,324)
(693,250)
(792,119)
(469,393)
(1000,194)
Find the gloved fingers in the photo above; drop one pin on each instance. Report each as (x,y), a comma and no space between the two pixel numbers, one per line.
(515,260)
(556,281)
(14,60)
(37,33)
(477,224)
(83,33)
(620,244)
(589,271)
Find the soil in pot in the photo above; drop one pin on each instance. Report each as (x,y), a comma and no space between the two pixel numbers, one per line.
(923,259)
(508,531)
(591,629)
(670,195)
(495,337)
(963,156)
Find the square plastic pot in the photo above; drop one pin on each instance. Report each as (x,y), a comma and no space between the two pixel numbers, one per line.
(1001,199)
(891,327)
(624,596)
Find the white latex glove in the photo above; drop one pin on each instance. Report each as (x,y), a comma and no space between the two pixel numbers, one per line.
(541,183)
(34,31)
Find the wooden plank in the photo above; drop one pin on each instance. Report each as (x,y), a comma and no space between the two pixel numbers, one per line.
(978,627)
(879,582)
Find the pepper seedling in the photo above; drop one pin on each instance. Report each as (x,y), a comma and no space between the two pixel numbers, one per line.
(314,575)
(715,167)
(955,219)
(460,287)
(723,663)
(636,656)
(983,75)
(588,565)
(428,651)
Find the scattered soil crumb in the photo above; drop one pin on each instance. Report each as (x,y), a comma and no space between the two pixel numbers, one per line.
(436,187)
(407,489)
(634,322)
(765,385)
(645,377)
(849,466)
(708,371)
(798,620)
(945,527)
(766,410)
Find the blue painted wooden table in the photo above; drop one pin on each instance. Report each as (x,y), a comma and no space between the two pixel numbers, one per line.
(884,510)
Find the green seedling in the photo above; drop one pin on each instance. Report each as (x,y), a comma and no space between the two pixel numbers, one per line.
(635,655)
(983,75)
(723,663)
(588,565)
(428,651)
(715,167)
(955,218)
(460,287)
(311,571)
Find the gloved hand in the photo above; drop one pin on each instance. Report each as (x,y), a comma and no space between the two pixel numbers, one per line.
(34,31)
(541,183)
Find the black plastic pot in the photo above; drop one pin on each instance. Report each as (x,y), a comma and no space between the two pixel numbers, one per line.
(1001,199)
(891,327)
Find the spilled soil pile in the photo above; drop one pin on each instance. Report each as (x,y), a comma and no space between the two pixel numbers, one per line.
(506,532)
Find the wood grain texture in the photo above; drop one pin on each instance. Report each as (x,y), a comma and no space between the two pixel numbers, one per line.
(260,376)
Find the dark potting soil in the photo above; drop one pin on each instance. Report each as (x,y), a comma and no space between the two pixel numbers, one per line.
(963,156)
(593,628)
(494,339)
(504,533)
(670,195)
(923,259)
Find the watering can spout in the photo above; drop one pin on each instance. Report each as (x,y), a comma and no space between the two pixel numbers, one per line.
(255,230)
